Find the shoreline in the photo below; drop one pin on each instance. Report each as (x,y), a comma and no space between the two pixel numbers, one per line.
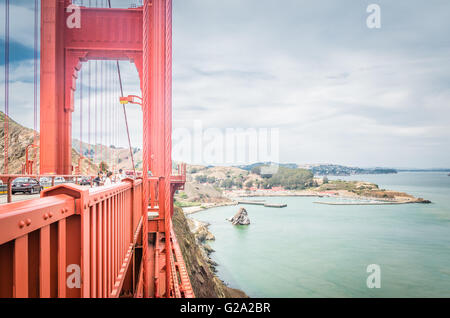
(360,195)
(196,209)
(342,194)
(197,226)
(306,194)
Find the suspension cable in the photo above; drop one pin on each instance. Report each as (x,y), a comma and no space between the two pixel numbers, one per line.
(101,110)
(108,114)
(124,110)
(89,108)
(96,111)
(36,36)
(81,114)
(35,80)
(6,122)
(111,114)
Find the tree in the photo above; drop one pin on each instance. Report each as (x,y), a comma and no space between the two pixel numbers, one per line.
(291,179)
(103,166)
(211,180)
(325,180)
(256,170)
(201,179)
(227,183)
(249,184)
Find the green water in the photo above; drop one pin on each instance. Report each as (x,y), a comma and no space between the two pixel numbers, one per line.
(311,250)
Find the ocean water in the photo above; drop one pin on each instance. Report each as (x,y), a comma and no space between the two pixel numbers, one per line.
(313,250)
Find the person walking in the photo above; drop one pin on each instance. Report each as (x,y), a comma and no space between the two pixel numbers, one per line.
(98,181)
(108,180)
(121,175)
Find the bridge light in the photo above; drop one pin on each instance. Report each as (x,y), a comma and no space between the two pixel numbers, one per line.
(124,100)
(130,99)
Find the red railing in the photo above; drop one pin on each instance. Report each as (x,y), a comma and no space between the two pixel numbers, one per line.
(34,244)
(81,242)
(78,242)
(72,242)
(8,179)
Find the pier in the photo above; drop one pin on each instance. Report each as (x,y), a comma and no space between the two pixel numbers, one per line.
(263,203)
(359,203)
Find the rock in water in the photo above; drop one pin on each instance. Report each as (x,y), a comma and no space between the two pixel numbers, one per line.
(241,218)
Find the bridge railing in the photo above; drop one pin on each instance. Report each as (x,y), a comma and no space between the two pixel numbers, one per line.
(72,242)
(51,180)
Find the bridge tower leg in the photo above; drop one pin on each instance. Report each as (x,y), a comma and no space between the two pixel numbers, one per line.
(56,110)
(157,105)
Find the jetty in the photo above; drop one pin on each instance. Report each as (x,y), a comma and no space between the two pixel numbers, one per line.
(263,203)
(360,203)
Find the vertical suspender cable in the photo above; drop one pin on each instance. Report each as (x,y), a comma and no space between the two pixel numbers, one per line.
(96,110)
(108,112)
(105,108)
(115,103)
(126,119)
(35,80)
(125,111)
(101,110)
(116,121)
(6,121)
(81,114)
(89,108)
(111,121)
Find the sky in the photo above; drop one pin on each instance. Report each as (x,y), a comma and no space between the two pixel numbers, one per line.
(336,90)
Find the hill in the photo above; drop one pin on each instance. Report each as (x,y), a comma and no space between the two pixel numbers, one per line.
(19,138)
(337,170)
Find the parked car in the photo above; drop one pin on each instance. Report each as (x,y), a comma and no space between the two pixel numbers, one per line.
(83,181)
(26,185)
(60,180)
(45,180)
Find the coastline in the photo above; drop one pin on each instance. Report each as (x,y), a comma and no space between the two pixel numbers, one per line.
(201,229)
(207,206)
(342,194)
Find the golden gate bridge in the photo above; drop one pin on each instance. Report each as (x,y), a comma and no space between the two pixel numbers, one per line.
(111,241)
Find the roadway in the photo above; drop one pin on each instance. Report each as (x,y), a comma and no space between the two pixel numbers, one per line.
(18,197)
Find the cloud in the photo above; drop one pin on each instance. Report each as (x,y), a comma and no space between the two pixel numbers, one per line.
(338,91)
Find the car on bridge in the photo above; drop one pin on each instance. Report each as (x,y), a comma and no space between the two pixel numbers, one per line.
(84,181)
(26,185)
(45,180)
(60,180)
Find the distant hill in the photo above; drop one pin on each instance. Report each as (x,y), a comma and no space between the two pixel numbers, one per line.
(425,170)
(123,154)
(337,170)
(323,169)
(19,138)
(259,164)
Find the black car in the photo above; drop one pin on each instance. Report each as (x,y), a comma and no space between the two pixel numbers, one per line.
(26,185)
